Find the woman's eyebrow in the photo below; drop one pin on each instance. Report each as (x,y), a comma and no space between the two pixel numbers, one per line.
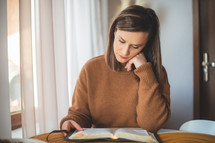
(121,38)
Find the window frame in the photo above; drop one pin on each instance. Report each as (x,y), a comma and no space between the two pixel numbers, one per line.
(16,120)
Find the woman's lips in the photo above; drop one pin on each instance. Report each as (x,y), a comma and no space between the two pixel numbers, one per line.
(123,57)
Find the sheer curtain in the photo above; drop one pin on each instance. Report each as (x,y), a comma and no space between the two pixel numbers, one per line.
(57,38)
(86,34)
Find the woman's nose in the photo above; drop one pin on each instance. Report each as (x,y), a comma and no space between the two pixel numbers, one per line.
(125,50)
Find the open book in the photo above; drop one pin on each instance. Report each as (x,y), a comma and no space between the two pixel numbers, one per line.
(113,134)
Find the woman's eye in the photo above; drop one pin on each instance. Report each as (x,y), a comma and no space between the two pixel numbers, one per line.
(135,47)
(121,41)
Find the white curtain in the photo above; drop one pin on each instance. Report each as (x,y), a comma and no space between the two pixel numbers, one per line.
(86,34)
(57,37)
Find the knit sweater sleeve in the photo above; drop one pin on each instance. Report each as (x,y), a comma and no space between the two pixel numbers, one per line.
(153,108)
(79,112)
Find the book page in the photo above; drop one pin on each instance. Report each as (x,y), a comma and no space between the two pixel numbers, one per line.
(92,133)
(135,134)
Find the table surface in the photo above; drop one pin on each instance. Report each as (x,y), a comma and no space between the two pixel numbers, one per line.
(178,137)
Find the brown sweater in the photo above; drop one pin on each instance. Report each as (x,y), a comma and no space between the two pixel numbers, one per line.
(107,99)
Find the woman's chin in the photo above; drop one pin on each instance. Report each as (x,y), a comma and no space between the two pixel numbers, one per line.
(122,61)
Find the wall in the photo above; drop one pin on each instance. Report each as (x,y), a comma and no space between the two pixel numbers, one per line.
(5,125)
(177,53)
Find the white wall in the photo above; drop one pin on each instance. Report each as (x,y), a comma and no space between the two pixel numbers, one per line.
(177,53)
(5,123)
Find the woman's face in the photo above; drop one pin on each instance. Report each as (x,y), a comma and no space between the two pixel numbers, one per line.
(128,44)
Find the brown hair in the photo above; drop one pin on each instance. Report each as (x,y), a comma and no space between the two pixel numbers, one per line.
(137,19)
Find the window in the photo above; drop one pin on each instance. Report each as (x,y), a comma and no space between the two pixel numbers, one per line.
(14,62)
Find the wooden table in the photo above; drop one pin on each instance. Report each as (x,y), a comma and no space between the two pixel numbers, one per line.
(179,137)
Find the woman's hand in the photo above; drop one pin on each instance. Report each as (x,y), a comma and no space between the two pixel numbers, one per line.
(67,125)
(137,60)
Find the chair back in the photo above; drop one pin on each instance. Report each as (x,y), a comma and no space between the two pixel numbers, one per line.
(199,126)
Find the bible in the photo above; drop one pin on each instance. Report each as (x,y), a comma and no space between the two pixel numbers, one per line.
(113,135)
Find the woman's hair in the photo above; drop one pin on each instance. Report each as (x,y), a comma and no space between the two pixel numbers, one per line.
(137,19)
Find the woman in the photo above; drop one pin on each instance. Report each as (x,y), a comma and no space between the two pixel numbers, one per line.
(126,87)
